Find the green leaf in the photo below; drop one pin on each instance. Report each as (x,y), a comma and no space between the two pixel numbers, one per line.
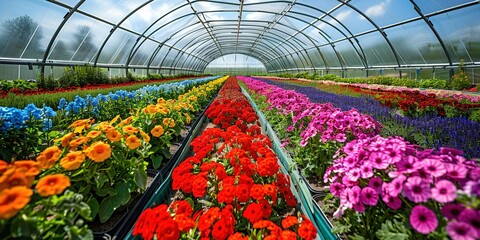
(84,210)
(107,207)
(393,231)
(100,179)
(123,195)
(106,190)
(94,206)
(21,226)
(157,160)
(141,178)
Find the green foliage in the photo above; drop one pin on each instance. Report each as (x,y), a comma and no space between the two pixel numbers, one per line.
(460,81)
(393,230)
(18,85)
(475,115)
(83,75)
(433,83)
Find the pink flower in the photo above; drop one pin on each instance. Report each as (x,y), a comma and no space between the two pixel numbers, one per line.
(376,183)
(472,217)
(366,170)
(417,190)
(452,211)
(336,189)
(461,231)
(393,202)
(423,220)
(350,196)
(434,167)
(395,187)
(456,171)
(340,137)
(407,165)
(369,196)
(379,160)
(359,207)
(444,191)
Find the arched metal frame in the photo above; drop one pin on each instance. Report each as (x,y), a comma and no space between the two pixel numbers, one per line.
(279,46)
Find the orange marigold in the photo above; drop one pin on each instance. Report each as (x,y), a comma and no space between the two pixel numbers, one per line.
(72,160)
(30,167)
(130,129)
(77,142)
(157,131)
(66,139)
(133,142)
(3,166)
(168,122)
(114,136)
(93,134)
(18,178)
(13,200)
(145,136)
(98,152)
(52,184)
(48,157)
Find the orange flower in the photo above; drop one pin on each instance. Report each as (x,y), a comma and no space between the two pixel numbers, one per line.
(3,166)
(130,129)
(77,142)
(98,152)
(31,167)
(80,122)
(18,178)
(161,101)
(48,157)
(151,109)
(93,134)
(52,184)
(114,136)
(145,136)
(126,121)
(72,161)
(133,142)
(13,200)
(65,139)
(168,122)
(157,131)
(289,221)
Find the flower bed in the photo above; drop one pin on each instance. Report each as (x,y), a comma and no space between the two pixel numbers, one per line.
(428,131)
(101,163)
(231,187)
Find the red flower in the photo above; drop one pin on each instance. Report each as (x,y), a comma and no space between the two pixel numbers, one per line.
(266,208)
(184,222)
(168,230)
(207,219)
(307,230)
(289,221)
(227,194)
(237,236)
(289,235)
(199,183)
(253,212)
(256,192)
(182,207)
(220,230)
(242,193)
(144,226)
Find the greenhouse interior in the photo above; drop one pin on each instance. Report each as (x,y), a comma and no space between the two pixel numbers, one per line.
(245,119)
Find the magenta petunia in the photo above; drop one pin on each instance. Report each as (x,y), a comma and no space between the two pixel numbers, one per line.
(407,165)
(336,189)
(350,196)
(461,231)
(423,220)
(444,191)
(366,170)
(369,196)
(353,175)
(456,171)
(417,190)
(376,183)
(395,187)
(379,160)
(452,211)
(471,217)
(434,167)
(359,207)
(394,203)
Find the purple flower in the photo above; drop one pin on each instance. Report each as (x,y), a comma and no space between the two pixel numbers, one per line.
(366,170)
(369,196)
(444,191)
(353,175)
(434,167)
(336,189)
(407,164)
(461,231)
(452,211)
(472,217)
(376,183)
(395,187)
(472,187)
(379,160)
(423,220)
(359,207)
(417,190)
(393,202)
(456,171)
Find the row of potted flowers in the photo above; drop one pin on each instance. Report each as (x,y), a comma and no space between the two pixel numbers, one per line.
(232,187)
(38,125)
(378,184)
(102,165)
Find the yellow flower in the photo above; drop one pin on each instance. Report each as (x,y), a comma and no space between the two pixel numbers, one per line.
(105,127)
(13,200)
(157,131)
(93,134)
(52,184)
(133,142)
(113,135)
(130,129)
(73,160)
(151,109)
(77,142)
(169,122)
(161,101)
(145,136)
(48,157)
(65,139)
(98,152)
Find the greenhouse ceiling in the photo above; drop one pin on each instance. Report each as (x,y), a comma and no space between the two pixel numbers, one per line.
(283,35)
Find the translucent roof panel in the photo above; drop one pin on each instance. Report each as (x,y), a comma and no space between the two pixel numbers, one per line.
(283,35)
